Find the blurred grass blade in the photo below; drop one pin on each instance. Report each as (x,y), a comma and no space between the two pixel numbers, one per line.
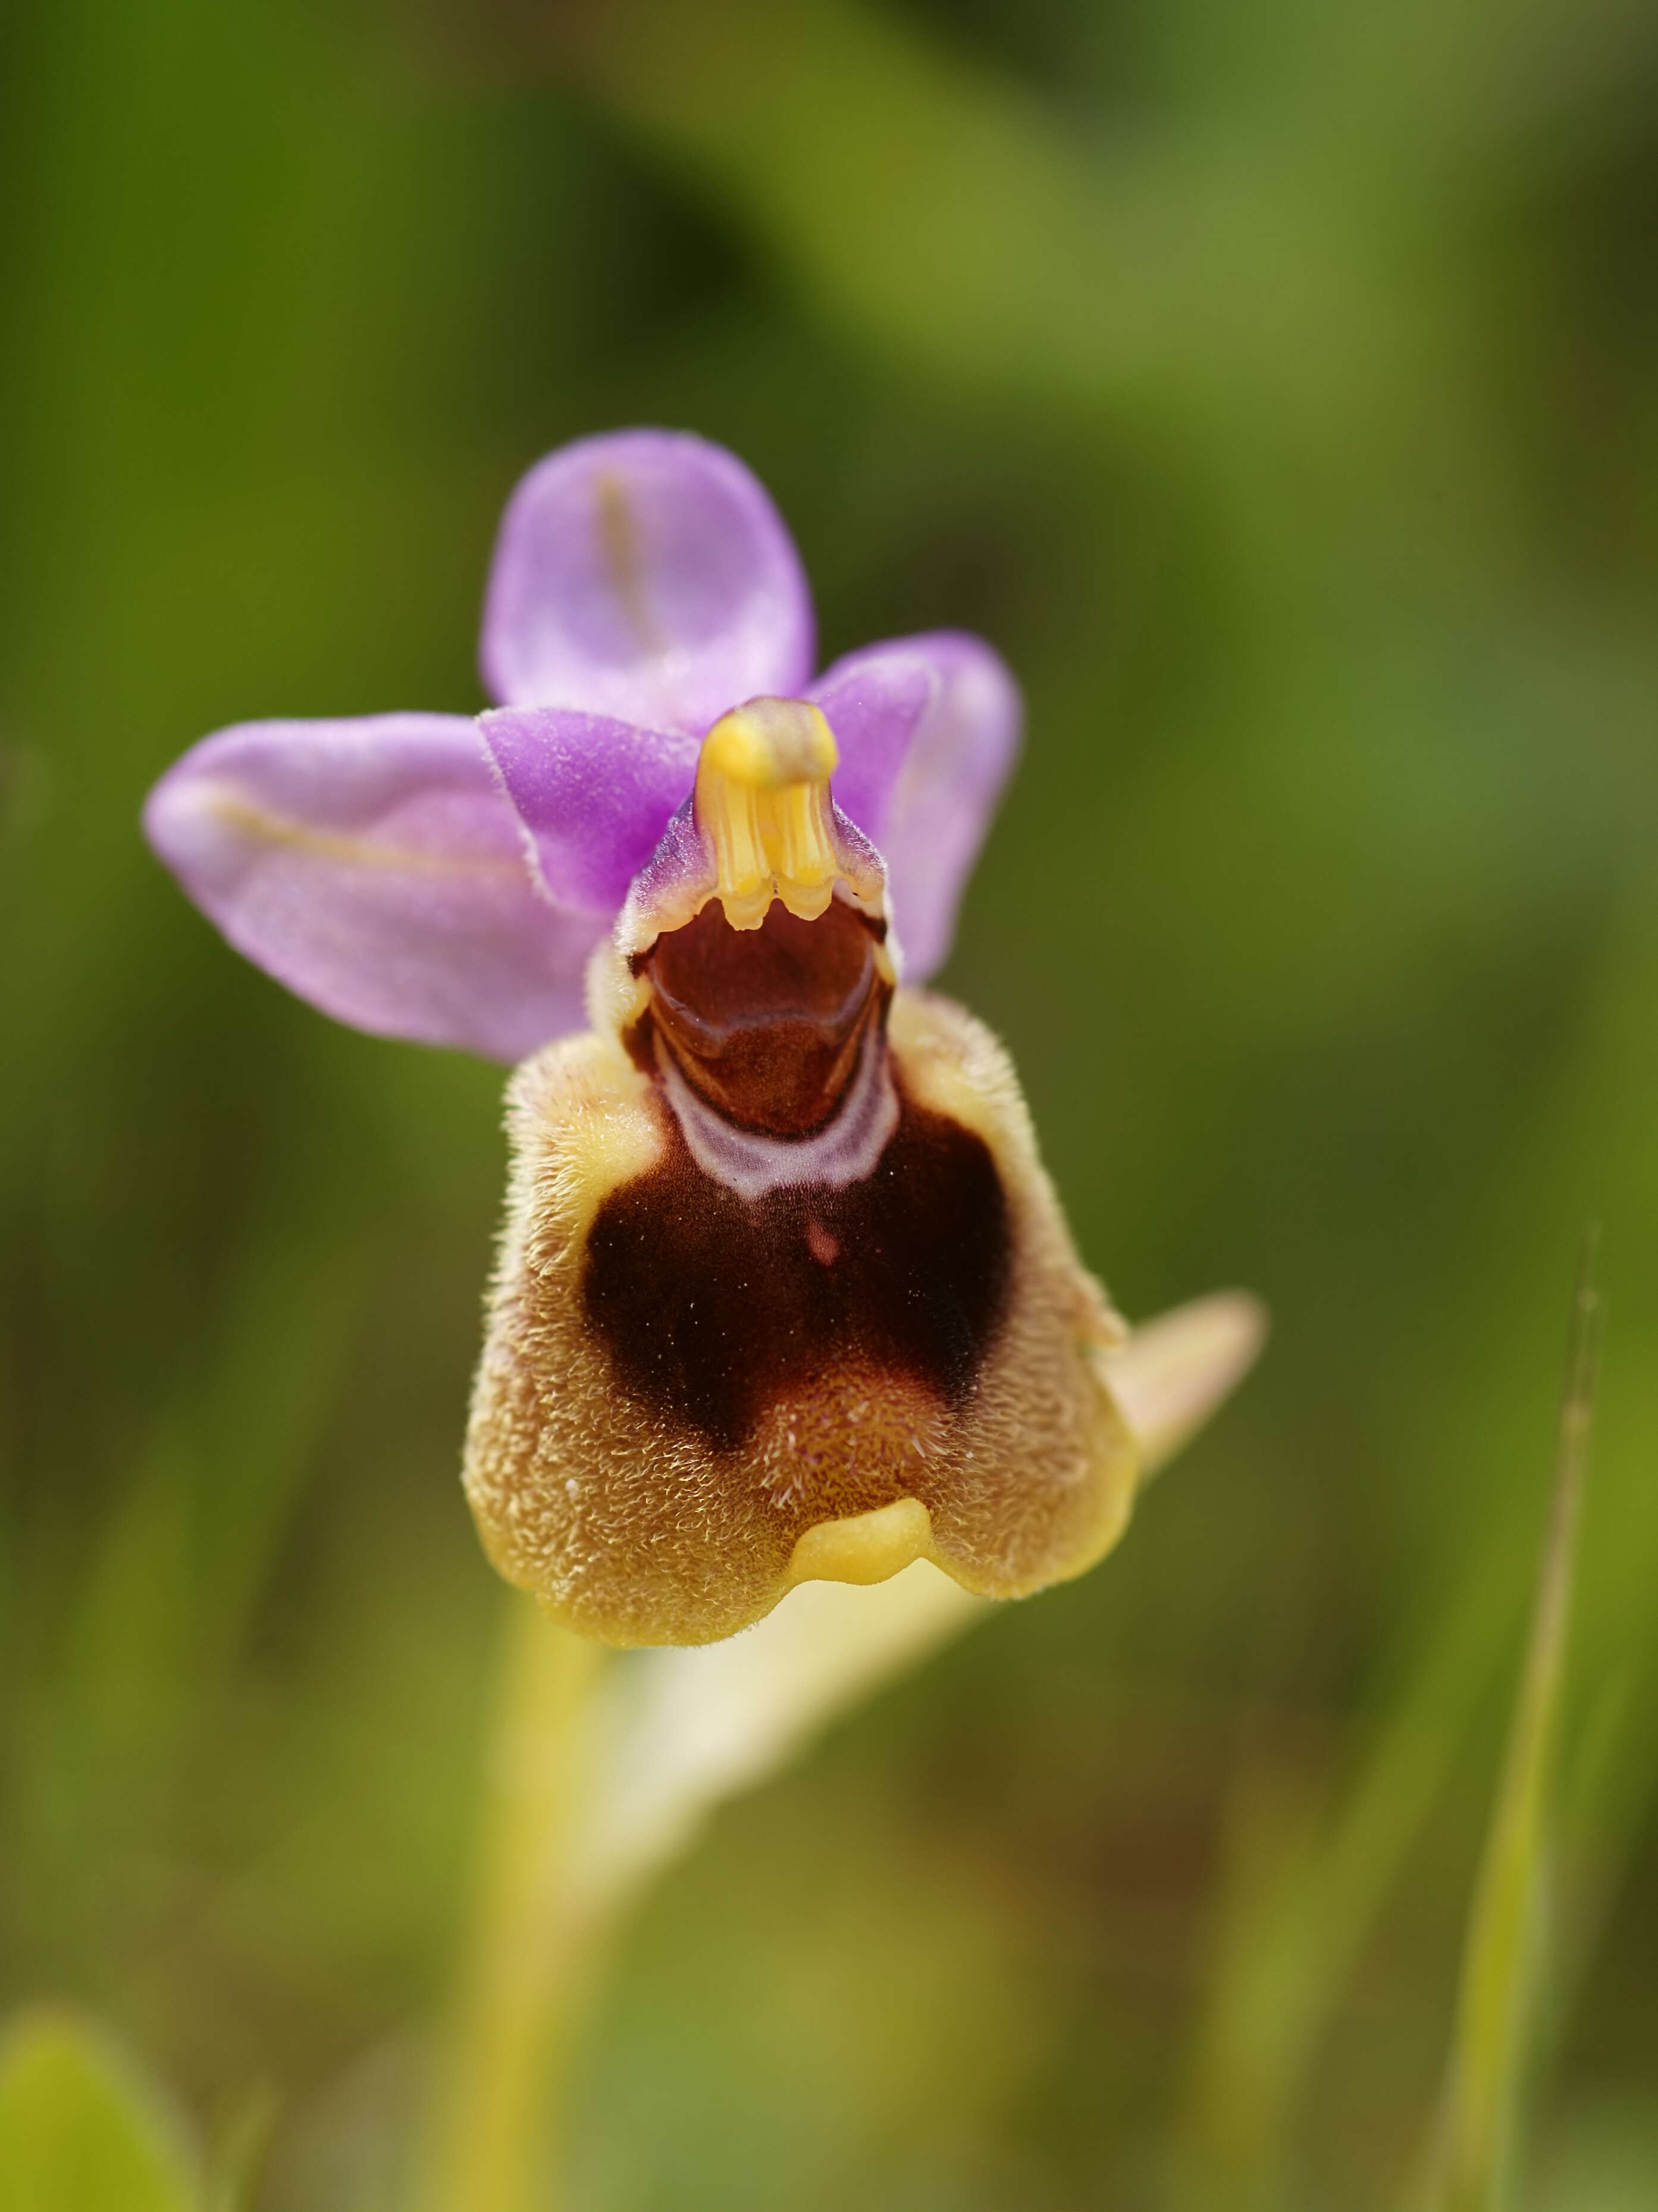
(1306,1886)
(1489,2047)
(1310,1876)
(81,2130)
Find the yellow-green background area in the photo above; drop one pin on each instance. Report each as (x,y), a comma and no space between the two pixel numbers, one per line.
(1278,387)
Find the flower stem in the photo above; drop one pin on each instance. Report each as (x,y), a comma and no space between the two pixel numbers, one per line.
(526,1957)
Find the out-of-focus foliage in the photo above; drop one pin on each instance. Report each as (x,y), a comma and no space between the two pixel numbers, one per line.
(80,2132)
(1278,388)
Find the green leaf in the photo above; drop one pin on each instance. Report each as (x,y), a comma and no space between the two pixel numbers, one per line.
(81,2130)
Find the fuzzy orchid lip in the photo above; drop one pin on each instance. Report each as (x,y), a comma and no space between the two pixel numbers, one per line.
(446,880)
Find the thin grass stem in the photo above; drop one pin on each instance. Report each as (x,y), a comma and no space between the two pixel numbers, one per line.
(1490,2042)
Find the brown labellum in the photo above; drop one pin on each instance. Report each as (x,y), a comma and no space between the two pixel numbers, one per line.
(682,1386)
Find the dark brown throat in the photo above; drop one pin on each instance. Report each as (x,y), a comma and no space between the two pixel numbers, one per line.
(765,1025)
(717,1310)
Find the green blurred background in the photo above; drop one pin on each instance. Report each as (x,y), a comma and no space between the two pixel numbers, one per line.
(1278,387)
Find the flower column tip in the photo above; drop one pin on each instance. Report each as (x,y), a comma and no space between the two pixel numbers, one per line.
(762,801)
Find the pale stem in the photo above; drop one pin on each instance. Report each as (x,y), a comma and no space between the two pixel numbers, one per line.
(526,1957)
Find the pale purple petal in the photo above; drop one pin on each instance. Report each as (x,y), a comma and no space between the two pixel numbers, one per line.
(594,794)
(645,575)
(923,787)
(873,700)
(375,868)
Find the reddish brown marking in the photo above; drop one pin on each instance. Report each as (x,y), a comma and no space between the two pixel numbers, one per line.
(766,1023)
(824,1248)
(713,1308)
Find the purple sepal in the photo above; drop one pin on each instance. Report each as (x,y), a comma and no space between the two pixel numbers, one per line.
(375,867)
(924,783)
(873,701)
(594,795)
(645,575)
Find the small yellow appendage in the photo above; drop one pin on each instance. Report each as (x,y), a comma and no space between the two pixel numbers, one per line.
(863,1547)
(763,798)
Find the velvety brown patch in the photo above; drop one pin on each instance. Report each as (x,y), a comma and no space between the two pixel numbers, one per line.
(766,1023)
(621,1516)
(713,1308)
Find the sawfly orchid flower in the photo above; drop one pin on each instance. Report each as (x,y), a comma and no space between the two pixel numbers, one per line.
(783,1292)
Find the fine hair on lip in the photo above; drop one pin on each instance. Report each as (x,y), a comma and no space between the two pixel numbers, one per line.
(682,1376)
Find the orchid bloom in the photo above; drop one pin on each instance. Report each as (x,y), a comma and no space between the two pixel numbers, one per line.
(783,1292)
